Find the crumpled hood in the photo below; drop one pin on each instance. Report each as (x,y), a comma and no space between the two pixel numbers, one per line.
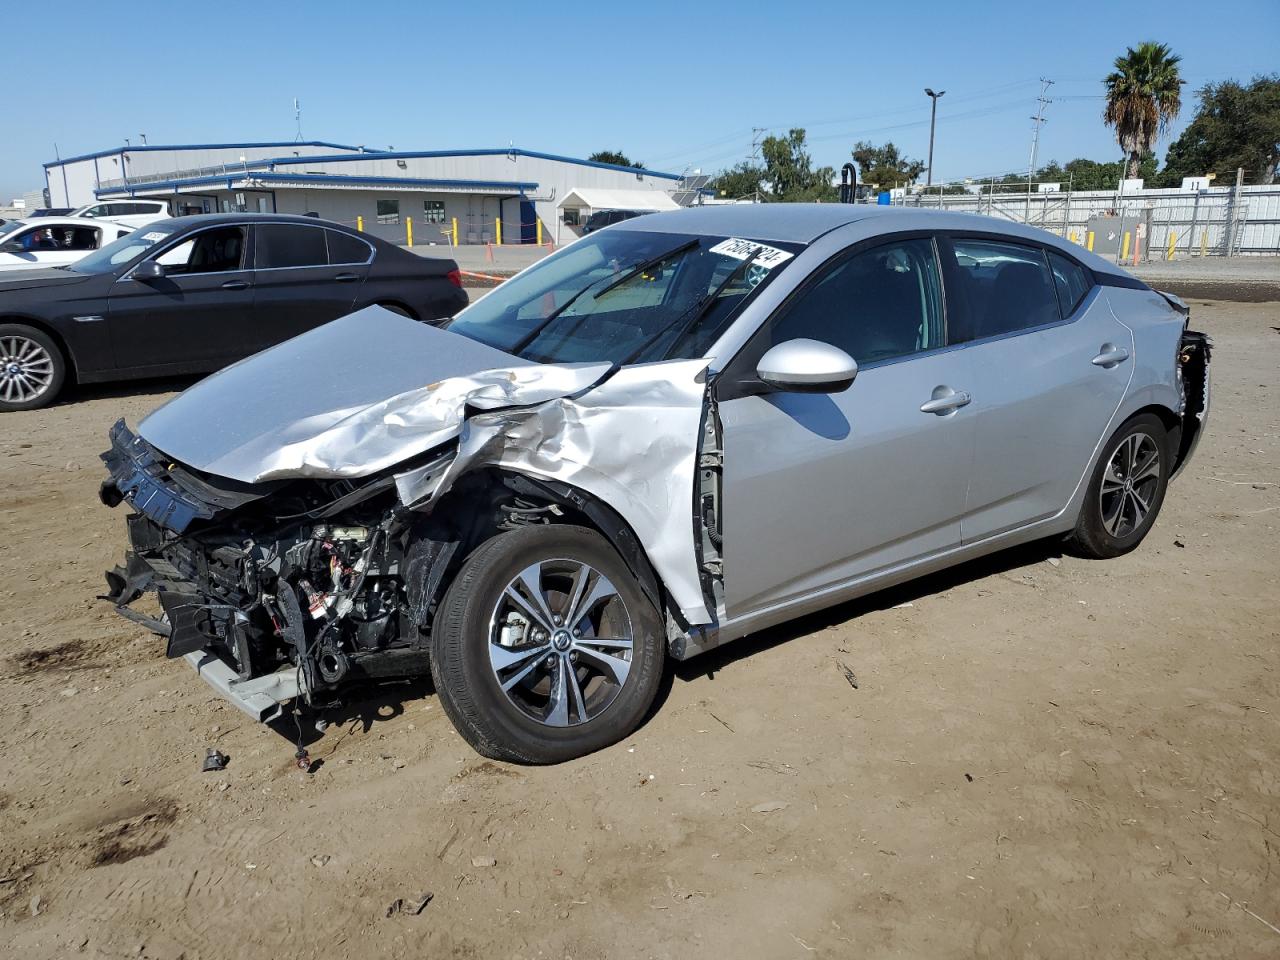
(349,399)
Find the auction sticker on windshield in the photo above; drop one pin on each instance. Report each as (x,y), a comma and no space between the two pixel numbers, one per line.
(767,257)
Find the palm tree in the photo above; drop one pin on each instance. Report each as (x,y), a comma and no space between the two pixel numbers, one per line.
(1143,97)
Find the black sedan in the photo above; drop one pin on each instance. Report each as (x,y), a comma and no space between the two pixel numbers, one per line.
(193,294)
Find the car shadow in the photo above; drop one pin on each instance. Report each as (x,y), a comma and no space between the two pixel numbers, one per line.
(707,665)
(85,392)
(362,707)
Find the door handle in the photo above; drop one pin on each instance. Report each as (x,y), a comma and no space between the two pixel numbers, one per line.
(1110,355)
(236,285)
(945,400)
(346,277)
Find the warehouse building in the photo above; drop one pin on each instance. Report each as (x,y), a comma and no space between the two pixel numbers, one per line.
(442,196)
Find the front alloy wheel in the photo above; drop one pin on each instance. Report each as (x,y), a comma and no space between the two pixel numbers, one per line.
(560,642)
(545,647)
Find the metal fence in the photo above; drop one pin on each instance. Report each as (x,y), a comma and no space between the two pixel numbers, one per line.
(1223,221)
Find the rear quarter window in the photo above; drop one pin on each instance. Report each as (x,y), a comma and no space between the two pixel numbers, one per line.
(1071,280)
(346,249)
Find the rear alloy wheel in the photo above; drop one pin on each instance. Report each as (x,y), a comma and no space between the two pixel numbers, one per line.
(31,368)
(545,648)
(1126,490)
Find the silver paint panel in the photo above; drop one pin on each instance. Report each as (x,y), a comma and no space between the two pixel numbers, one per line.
(821,488)
(1042,408)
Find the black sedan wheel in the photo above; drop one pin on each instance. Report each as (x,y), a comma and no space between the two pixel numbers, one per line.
(31,368)
(545,648)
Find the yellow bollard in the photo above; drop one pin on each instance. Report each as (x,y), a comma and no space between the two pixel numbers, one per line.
(360,224)
(1124,250)
(1204,243)
(497,231)
(408,222)
(1072,236)
(1173,240)
(1088,241)
(539,231)
(455,231)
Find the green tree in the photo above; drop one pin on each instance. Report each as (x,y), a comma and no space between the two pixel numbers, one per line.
(885,166)
(1144,94)
(1234,126)
(739,182)
(789,170)
(615,157)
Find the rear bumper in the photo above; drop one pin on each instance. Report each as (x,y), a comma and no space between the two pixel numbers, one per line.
(1197,387)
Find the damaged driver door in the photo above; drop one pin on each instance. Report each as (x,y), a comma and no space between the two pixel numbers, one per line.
(822,489)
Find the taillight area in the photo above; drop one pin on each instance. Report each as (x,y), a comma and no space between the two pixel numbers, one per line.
(455,277)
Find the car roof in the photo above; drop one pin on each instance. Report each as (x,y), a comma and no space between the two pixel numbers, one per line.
(806,222)
(68,222)
(213,219)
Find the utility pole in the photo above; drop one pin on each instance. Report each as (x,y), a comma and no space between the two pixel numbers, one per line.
(1035,140)
(757,133)
(933,117)
(297,119)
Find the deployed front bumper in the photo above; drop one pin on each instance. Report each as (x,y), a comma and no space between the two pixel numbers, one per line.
(262,698)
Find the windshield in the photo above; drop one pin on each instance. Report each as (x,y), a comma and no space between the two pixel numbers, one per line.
(625,297)
(11,226)
(120,252)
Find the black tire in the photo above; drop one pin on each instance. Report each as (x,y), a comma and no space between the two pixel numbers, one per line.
(464,631)
(29,361)
(1112,525)
(398,310)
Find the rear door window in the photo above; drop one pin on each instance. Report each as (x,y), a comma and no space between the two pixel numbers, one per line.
(1071,280)
(289,245)
(1003,288)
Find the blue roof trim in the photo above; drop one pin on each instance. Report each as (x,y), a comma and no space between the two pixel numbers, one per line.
(231,178)
(115,151)
(484,152)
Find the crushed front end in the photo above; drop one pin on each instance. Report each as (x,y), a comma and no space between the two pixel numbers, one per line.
(271,591)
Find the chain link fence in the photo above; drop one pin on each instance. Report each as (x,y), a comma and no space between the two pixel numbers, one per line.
(1165,224)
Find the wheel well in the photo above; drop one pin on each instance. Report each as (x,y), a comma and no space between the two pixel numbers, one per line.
(1172,424)
(67,356)
(397,305)
(487,502)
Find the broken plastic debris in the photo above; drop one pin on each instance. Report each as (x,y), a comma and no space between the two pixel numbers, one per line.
(214,760)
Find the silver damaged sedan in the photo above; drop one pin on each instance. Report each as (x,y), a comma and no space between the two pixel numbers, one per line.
(670,434)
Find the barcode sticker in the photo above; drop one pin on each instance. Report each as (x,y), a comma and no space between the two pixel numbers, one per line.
(768,257)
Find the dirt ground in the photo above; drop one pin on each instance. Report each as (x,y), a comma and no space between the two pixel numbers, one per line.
(1042,757)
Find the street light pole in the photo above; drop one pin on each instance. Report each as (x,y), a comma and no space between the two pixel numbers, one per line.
(933,116)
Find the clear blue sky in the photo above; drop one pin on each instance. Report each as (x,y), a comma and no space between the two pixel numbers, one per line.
(670,84)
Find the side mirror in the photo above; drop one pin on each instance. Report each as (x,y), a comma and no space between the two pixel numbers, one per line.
(13,246)
(807,366)
(147,271)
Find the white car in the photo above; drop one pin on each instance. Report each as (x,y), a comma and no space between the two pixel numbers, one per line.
(54,241)
(132,213)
